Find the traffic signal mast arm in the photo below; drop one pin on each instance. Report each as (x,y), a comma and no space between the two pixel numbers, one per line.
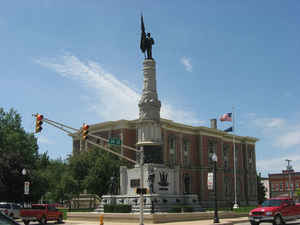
(65,127)
(111,151)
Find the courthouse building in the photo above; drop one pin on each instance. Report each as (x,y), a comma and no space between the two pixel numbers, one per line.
(181,153)
(188,149)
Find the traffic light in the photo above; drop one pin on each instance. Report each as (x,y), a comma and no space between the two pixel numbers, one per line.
(38,123)
(85,131)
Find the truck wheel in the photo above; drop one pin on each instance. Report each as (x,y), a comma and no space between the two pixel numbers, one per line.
(277,220)
(26,222)
(60,219)
(254,223)
(43,220)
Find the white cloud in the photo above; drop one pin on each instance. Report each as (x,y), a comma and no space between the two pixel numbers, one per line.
(111,98)
(281,132)
(275,165)
(187,63)
(267,123)
(289,139)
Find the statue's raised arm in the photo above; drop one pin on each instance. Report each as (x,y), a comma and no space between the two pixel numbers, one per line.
(146,41)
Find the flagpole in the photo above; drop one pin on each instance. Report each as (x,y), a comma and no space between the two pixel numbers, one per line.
(234,160)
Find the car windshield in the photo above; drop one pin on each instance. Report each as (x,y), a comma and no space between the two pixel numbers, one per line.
(273,202)
(6,221)
(4,206)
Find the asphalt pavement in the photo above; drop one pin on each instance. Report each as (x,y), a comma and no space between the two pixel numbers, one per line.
(229,221)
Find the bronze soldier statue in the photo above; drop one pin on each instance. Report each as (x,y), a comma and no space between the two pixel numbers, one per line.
(146,41)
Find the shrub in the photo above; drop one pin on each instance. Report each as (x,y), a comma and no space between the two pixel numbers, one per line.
(178,209)
(112,208)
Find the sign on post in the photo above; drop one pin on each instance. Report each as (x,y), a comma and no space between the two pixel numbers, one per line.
(114,141)
(210,181)
(26,187)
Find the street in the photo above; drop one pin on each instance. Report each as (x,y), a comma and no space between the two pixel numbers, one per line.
(295,222)
(202,222)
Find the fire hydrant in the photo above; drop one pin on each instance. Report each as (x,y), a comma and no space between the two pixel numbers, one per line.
(101,220)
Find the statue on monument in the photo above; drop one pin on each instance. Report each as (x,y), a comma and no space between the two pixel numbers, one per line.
(146,41)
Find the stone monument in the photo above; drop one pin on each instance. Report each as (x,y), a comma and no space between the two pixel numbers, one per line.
(161,181)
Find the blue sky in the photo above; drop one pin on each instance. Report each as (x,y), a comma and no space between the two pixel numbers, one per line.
(79,61)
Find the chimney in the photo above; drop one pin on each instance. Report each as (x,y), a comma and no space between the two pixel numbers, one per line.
(213,123)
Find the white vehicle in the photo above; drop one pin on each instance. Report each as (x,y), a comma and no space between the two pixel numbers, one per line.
(10,209)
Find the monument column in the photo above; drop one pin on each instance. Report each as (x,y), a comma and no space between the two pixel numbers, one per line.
(149,130)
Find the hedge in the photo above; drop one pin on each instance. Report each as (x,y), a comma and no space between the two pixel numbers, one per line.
(113,208)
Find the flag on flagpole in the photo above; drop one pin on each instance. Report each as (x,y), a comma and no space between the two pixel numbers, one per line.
(226,117)
(230,129)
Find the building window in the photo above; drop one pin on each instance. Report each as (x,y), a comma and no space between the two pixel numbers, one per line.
(187,183)
(186,152)
(212,148)
(273,187)
(236,157)
(250,158)
(281,186)
(287,186)
(172,150)
(225,155)
(227,187)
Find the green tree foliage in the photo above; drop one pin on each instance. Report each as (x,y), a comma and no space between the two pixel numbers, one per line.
(18,150)
(298,194)
(261,191)
(92,170)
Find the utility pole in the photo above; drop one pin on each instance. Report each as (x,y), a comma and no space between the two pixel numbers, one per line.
(142,186)
(289,168)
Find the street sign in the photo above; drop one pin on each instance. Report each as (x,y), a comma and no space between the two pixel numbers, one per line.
(26,187)
(114,141)
(210,181)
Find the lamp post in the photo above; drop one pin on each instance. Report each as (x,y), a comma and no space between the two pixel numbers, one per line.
(24,174)
(215,160)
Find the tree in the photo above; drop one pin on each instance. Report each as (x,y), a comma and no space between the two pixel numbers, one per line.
(298,194)
(92,170)
(261,190)
(18,150)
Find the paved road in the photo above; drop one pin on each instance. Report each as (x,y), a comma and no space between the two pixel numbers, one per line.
(295,222)
(202,222)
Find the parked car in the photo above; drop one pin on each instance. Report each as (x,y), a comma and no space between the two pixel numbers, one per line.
(41,213)
(10,209)
(5,220)
(276,211)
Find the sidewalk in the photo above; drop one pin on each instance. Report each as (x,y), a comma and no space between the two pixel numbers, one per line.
(227,221)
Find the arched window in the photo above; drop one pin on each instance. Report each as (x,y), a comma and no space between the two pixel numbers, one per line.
(212,148)
(186,183)
(186,152)
(172,150)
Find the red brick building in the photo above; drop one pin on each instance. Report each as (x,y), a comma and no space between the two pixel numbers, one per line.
(188,148)
(281,184)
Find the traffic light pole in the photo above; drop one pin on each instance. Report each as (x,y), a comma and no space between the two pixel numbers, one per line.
(142,185)
(140,162)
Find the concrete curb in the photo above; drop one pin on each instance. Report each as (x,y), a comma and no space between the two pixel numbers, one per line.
(203,217)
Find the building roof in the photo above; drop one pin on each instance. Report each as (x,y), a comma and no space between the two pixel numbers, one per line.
(171,125)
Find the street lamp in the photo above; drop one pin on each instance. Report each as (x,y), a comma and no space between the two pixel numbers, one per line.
(24,172)
(215,160)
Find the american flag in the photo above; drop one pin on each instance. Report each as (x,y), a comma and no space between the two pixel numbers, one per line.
(226,117)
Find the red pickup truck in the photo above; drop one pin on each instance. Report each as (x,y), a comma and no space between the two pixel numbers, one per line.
(276,211)
(41,213)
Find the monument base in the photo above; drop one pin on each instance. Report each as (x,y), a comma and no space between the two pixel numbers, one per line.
(155,202)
